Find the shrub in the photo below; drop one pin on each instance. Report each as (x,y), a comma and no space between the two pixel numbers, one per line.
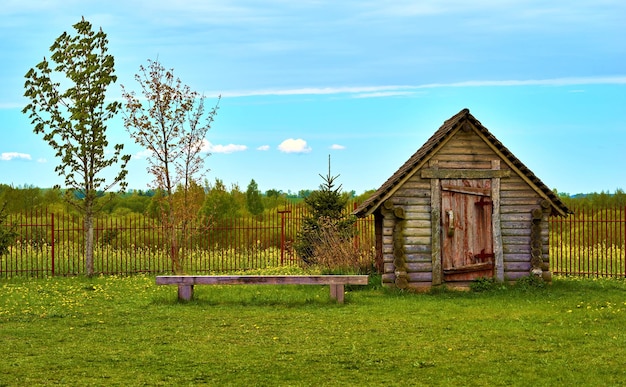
(7,232)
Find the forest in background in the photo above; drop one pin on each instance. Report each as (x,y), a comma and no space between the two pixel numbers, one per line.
(220,202)
(217,200)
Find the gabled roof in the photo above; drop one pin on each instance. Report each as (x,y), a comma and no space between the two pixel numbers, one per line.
(443,134)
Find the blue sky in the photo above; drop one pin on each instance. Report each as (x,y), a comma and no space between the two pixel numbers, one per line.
(366,82)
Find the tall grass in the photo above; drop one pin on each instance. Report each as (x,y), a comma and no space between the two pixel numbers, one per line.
(36,261)
(598,260)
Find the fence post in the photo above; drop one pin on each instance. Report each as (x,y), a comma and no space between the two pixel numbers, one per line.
(52,240)
(282,235)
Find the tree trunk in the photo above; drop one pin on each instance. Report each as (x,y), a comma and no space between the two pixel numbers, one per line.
(177,267)
(88,229)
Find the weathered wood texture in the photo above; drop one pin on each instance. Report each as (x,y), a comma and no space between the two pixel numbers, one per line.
(467,232)
(186,283)
(513,200)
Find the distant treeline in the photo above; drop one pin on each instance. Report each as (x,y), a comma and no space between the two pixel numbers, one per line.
(221,201)
(218,201)
(595,200)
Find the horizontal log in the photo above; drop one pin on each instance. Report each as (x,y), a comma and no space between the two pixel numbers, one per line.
(417,223)
(417,194)
(417,249)
(261,279)
(420,277)
(514,225)
(458,150)
(417,184)
(521,257)
(388,278)
(409,199)
(515,275)
(464,173)
(515,232)
(516,218)
(517,266)
(417,232)
(530,201)
(515,240)
(466,163)
(414,267)
(508,209)
(411,240)
(516,249)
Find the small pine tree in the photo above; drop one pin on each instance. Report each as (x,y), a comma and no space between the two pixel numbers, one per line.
(326,219)
(253,199)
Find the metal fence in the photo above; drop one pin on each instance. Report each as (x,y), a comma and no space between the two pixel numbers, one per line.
(49,244)
(590,242)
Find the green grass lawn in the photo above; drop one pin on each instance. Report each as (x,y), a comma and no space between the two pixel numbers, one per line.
(128,331)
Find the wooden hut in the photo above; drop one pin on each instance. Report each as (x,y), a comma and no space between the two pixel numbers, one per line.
(461,208)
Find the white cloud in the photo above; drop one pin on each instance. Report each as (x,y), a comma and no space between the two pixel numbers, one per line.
(8,156)
(142,154)
(337,147)
(42,160)
(291,145)
(407,90)
(207,146)
(263,148)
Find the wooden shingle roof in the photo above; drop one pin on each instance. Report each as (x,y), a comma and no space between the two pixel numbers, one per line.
(439,137)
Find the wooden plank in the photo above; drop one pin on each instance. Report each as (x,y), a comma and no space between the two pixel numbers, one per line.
(469,268)
(419,267)
(517,257)
(417,249)
(496,224)
(478,191)
(464,173)
(424,276)
(458,164)
(516,232)
(261,279)
(516,240)
(435,216)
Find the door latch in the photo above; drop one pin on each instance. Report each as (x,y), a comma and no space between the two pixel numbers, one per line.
(450,223)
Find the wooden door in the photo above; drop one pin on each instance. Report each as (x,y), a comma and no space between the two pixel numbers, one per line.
(467,236)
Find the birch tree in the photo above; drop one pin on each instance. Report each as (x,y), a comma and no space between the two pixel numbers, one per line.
(67,106)
(170,121)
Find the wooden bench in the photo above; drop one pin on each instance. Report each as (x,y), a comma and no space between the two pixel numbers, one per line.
(186,282)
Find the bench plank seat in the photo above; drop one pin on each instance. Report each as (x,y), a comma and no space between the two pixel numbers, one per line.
(337,282)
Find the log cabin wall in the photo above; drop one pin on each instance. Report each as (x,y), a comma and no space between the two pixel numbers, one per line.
(460,170)
(466,149)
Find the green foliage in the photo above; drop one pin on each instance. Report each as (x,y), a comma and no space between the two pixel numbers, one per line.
(7,232)
(595,200)
(73,120)
(219,205)
(530,282)
(253,199)
(326,226)
(482,284)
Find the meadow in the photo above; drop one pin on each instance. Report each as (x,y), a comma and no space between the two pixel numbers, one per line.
(119,330)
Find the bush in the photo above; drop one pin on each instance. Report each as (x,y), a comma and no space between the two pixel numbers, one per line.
(7,232)
(482,284)
(333,251)
(530,282)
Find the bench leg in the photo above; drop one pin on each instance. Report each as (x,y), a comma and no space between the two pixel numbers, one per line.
(337,292)
(185,292)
